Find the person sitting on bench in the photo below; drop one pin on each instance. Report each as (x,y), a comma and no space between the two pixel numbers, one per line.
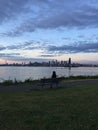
(54,79)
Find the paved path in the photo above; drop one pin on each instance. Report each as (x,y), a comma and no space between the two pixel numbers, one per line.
(38,86)
(80,82)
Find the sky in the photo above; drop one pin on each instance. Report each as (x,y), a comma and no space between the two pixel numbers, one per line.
(38,30)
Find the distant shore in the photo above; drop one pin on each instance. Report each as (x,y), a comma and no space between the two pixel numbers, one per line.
(48,64)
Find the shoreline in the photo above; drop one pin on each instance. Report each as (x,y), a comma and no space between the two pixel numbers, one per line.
(38,86)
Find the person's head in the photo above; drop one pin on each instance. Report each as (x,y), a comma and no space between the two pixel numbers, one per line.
(54,72)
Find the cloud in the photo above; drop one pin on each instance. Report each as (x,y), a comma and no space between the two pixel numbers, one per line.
(21,59)
(2,48)
(10,9)
(75,48)
(10,56)
(48,14)
(26,45)
(49,55)
(51,50)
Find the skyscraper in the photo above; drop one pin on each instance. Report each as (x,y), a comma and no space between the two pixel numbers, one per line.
(69,62)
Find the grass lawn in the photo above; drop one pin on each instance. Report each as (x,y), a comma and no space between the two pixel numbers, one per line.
(73,108)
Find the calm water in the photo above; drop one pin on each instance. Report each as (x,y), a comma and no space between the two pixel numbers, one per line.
(22,73)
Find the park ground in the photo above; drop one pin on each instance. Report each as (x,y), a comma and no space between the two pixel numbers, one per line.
(73,107)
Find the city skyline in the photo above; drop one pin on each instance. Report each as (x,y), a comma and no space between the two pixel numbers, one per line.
(43,30)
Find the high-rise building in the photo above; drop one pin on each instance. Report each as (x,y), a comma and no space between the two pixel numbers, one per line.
(69,62)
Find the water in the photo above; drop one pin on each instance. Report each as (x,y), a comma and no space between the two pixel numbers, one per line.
(22,73)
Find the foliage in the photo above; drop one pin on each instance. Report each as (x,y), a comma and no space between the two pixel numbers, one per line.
(7,82)
(82,77)
(30,81)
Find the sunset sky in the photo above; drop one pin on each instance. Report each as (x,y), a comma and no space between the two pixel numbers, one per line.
(36,30)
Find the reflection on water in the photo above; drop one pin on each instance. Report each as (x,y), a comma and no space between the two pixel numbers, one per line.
(69,74)
(22,73)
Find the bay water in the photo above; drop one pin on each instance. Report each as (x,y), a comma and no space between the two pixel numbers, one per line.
(23,73)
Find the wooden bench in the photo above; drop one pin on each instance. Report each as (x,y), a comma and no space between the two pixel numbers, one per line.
(51,83)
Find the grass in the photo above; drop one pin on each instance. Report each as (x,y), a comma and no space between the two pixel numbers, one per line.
(71,108)
(30,81)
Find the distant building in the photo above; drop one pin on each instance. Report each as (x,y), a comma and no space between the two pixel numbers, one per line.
(69,62)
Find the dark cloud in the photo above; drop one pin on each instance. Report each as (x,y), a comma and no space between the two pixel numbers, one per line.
(9,9)
(2,48)
(54,50)
(76,48)
(49,55)
(26,45)
(20,17)
(49,14)
(9,55)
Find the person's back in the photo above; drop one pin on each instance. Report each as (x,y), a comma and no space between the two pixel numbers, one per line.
(54,79)
(54,75)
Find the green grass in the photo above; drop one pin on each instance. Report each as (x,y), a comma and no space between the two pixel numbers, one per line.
(30,81)
(70,108)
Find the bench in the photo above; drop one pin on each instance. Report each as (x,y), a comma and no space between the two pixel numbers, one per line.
(50,83)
